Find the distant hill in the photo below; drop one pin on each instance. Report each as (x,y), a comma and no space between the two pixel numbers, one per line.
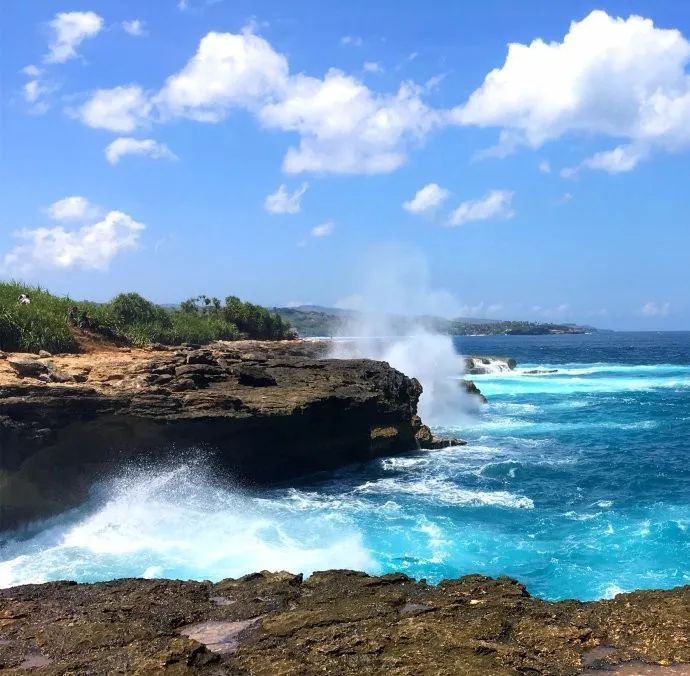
(317,320)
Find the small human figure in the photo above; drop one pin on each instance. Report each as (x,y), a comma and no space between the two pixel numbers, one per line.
(84,321)
(23,299)
(72,315)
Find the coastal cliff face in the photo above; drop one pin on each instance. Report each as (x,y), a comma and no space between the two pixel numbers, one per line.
(260,412)
(337,622)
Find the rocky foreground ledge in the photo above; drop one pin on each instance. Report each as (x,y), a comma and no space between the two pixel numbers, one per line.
(337,622)
(261,412)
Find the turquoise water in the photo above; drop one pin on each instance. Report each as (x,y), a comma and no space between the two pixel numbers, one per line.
(576,482)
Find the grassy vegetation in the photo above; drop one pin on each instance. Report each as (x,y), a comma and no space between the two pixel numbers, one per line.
(130,319)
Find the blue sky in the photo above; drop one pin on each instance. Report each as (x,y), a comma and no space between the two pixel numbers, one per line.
(144,146)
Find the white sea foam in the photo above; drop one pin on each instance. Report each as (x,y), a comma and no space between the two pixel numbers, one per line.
(177,523)
(440,491)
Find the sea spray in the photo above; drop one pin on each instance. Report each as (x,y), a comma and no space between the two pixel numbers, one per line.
(394,298)
(180,522)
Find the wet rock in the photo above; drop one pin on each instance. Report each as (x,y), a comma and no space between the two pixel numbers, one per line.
(223,637)
(481,365)
(472,389)
(339,622)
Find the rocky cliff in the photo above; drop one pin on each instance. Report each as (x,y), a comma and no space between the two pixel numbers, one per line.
(261,411)
(337,622)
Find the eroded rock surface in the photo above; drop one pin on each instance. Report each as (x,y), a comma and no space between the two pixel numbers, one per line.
(336,622)
(261,411)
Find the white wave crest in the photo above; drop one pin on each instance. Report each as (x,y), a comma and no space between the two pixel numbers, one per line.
(440,491)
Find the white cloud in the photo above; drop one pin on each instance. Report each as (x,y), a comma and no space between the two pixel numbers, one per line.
(351,40)
(652,309)
(616,161)
(344,127)
(494,205)
(545,167)
(74,208)
(70,29)
(131,146)
(34,90)
(373,67)
(622,78)
(283,202)
(135,28)
(323,230)
(89,247)
(31,71)
(426,199)
(120,109)
(229,70)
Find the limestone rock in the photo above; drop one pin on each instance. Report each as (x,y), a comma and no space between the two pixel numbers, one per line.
(262,412)
(336,622)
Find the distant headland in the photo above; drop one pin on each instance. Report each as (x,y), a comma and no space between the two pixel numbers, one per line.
(316,320)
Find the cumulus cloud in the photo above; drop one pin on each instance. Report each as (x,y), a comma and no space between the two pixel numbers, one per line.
(135,28)
(91,246)
(623,78)
(323,230)
(426,199)
(131,146)
(652,309)
(229,70)
(495,205)
(74,208)
(284,202)
(69,30)
(344,127)
(120,109)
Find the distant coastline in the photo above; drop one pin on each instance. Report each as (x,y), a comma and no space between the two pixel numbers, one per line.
(312,321)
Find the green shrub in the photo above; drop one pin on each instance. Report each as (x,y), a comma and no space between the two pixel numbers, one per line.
(42,325)
(129,318)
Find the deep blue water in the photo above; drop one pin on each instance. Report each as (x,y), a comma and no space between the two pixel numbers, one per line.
(576,482)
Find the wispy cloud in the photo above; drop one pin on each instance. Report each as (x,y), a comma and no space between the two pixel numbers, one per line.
(495,205)
(284,202)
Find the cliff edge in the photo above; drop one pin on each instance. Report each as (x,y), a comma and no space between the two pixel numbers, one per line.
(261,412)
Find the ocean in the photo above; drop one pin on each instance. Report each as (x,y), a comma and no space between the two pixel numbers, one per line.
(575,481)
